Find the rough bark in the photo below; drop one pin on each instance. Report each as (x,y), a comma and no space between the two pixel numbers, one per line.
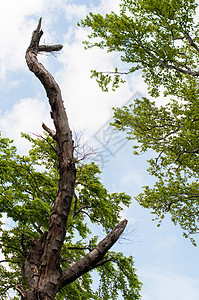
(91,260)
(41,269)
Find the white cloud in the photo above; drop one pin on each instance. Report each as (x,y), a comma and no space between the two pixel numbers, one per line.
(75,10)
(109,6)
(87,105)
(25,116)
(17,21)
(88,108)
(81,10)
(15,31)
(134,178)
(164,285)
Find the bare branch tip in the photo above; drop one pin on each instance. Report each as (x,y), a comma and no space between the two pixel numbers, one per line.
(124,222)
(51,132)
(39,24)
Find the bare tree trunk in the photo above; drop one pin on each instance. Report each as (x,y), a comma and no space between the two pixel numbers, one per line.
(41,269)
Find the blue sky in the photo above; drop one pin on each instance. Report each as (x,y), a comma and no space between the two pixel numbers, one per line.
(167,263)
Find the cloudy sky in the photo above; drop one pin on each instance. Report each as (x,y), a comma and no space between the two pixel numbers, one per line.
(167,263)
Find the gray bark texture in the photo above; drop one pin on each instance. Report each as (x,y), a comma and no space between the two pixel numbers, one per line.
(41,269)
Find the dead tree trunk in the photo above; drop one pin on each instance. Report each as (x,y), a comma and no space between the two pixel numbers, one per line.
(41,269)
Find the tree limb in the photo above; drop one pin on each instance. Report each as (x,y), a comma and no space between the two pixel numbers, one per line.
(51,132)
(92,259)
(196,151)
(164,63)
(192,43)
(80,210)
(49,48)
(49,255)
(41,269)
(103,262)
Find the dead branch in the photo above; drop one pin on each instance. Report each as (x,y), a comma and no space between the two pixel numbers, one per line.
(52,133)
(91,260)
(41,269)
(50,254)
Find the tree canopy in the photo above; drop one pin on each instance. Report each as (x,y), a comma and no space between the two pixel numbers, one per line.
(28,189)
(49,202)
(161,40)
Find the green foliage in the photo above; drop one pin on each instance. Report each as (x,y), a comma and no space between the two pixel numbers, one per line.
(151,36)
(161,39)
(117,277)
(172,132)
(27,192)
(103,79)
(79,289)
(113,280)
(8,280)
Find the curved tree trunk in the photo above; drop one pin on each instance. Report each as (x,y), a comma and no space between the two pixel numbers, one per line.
(41,269)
